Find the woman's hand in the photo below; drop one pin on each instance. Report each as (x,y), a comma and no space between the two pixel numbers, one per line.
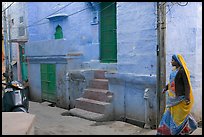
(165,89)
(187,101)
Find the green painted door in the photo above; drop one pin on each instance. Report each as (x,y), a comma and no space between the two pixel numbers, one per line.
(108,41)
(23,62)
(48,82)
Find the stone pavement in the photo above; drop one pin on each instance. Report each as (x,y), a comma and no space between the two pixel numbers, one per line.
(17,123)
(54,121)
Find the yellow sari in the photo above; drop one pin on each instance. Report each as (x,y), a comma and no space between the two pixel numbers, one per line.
(181,110)
(176,118)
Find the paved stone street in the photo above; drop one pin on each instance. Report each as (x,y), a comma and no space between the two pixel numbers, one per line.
(54,121)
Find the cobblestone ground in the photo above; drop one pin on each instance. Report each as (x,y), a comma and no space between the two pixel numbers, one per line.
(54,121)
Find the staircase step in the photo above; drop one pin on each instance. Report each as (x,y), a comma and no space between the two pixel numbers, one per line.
(91,105)
(99,83)
(99,74)
(86,114)
(98,94)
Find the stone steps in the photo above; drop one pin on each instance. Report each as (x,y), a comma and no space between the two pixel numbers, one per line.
(99,74)
(98,94)
(95,104)
(91,105)
(99,83)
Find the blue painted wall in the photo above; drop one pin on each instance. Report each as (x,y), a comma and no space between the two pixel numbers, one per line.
(49,53)
(80,37)
(77,29)
(136,37)
(136,66)
(136,43)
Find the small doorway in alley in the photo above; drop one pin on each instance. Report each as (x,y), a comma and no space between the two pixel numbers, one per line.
(108,41)
(23,62)
(48,82)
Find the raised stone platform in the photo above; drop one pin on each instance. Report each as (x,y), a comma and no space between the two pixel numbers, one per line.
(17,123)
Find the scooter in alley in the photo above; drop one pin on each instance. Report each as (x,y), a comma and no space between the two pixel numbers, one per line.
(14,97)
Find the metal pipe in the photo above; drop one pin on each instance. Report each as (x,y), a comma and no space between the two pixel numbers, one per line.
(6,42)
(9,47)
(146,99)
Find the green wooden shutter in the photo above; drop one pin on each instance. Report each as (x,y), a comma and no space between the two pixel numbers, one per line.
(48,82)
(108,41)
(58,33)
(23,62)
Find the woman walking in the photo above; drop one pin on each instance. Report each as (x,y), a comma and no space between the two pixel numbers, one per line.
(177,119)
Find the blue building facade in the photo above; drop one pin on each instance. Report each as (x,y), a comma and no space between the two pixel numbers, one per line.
(136,43)
(70,53)
(71,40)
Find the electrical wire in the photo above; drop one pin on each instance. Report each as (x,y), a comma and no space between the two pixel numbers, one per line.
(173,3)
(36,23)
(51,14)
(170,8)
(8,6)
(86,19)
(86,9)
(89,7)
(180,3)
(69,15)
(163,4)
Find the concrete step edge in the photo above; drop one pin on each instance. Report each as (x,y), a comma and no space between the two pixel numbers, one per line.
(92,101)
(87,114)
(97,90)
(100,80)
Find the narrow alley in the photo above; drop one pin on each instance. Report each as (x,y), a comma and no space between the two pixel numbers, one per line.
(109,68)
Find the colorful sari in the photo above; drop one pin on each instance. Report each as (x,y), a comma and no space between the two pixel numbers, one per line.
(177,119)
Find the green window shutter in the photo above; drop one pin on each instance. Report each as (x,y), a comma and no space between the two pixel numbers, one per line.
(108,40)
(23,62)
(58,33)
